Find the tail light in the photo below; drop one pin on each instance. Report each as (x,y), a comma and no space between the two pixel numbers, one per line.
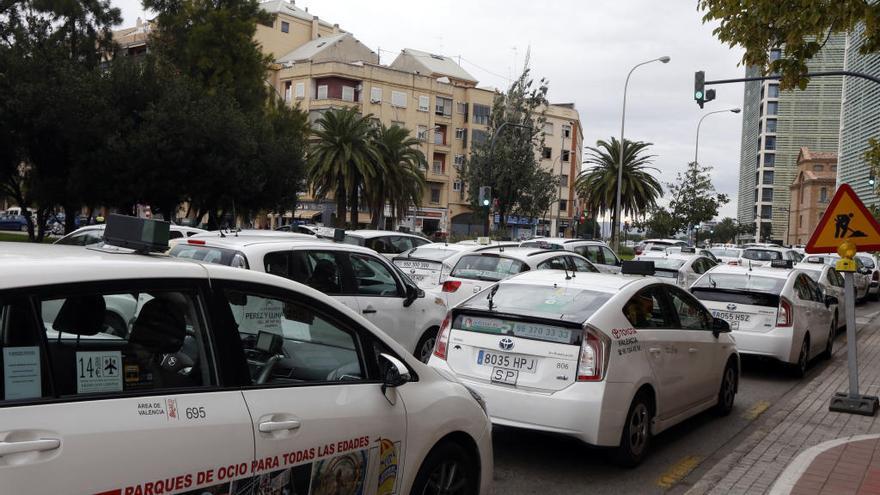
(441,343)
(197,242)
(682,279)
(451,285)
(783,315)
(733,262)
(593,362)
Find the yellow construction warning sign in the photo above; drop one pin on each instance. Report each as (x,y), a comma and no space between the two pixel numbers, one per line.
(845,220)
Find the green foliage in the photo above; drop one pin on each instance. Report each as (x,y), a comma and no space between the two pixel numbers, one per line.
(802,26)
(512,167)
(660,223)
(399,180)
(694,199)
(727,230)
(538,195)
(597,185)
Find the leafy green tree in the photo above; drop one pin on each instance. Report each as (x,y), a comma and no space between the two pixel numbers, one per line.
(694,199)
(342,160)
(538,195)
(728,229)
(802,26)
(512,166)
(212,42)
(597,185)
(399,179)
(659,223)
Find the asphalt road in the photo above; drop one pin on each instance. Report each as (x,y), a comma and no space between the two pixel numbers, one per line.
(528,462)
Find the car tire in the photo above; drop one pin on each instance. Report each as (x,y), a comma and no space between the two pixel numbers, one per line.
(829,345)
(425,347)
(727,392)
(799,369)
(23,228)
(635,440)
(875,296)
(448,469)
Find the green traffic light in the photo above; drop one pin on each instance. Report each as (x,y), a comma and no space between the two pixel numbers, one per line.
(485,202)
(698,95)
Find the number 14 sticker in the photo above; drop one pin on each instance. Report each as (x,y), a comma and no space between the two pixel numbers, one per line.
(98,372)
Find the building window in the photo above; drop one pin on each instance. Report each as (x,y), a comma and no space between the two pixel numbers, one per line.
(769,143)
(546,153)
(800,221)
(768,177)
(548,128)
(443,106)
(461,108)
(398,123)
(375,95)
(424,103)
(439,164)
(767,211)
(823,195)
(834,168)
(767,194)
(440,135)
(460,133)
(300,90)
(422,133)
(459,161)
(563,180)
(563,205)
(287,91)
(566,154)
(775,54)
(398,99)
(771,126)
(773,91)
(773,108)
(769,159)
(347,93)
(481,114)
(818,167)
(285,27)
(435,194)
(479,137)
(566,131)
(322,92)
(456,185)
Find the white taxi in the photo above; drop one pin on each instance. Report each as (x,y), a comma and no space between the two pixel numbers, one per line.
(227,381)
(831,282)
(475,271)
(680,268)
(608,359)
(763,255)
(599,254)
(355,276)
(385,242)
(429,264)
(773,312)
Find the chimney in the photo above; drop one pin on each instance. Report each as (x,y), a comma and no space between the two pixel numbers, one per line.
(315,34)
(336,29)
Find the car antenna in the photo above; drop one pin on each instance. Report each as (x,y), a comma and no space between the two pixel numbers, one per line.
(565,267)
(491,296)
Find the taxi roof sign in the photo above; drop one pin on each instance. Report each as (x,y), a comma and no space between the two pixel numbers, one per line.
(845,220)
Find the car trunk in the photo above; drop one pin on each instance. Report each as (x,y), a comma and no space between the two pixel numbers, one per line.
(508,351)
(425,273)
(744,311)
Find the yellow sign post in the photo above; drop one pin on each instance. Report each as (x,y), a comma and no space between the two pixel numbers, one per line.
(846,227)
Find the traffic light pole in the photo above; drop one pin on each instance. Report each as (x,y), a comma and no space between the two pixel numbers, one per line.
(809,74)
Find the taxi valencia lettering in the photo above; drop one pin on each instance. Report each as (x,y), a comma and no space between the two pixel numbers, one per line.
(627,340)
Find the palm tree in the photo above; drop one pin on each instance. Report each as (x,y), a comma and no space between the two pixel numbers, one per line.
(399,179)
(597,185)
(342,161)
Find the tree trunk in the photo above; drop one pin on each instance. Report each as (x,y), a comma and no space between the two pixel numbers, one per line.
(353,204)
(340,204)
(70,215)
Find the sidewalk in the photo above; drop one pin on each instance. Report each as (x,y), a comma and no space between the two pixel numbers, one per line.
(847,461)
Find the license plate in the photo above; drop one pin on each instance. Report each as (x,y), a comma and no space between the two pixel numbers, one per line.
(415,264)
(509,361)
(732,317)
(416,278)
(504,375)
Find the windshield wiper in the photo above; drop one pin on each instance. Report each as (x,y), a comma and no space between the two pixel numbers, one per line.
(491,296)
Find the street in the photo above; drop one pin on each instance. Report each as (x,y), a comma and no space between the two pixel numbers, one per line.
(527,462)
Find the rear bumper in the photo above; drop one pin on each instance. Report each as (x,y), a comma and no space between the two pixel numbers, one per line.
(591,412)
(777,343)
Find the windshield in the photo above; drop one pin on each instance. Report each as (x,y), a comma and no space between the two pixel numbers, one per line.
(487,267)
(740,282)
(350,239)
(868,262)
(665,263)
(557,303)
(761,255)
(726,252)
(426,253)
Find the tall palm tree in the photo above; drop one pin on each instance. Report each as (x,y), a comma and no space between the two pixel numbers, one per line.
(597,185)
(343,159)
(399,179)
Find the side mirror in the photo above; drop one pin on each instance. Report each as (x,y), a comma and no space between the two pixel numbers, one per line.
(829,300)
(719,326)
(396,373)
(412,293)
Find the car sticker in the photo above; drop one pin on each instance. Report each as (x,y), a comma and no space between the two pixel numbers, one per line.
(627,340)
(98,371)
(21,372)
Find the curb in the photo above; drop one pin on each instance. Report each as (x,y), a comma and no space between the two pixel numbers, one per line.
(796,468)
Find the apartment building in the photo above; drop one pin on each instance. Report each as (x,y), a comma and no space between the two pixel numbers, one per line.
(810,193)
(776,125)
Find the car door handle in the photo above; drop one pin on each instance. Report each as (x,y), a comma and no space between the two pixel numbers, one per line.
(692,350)
(7,448)
(270,426)
(368,311)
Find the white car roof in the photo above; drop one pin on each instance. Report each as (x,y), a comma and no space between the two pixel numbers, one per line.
(369,234)
(601,282)
(662,241)
(527,255)
(767,248)
(666,255)
(813,267)
(562,240)
(763,271)
(173,227)
(252,233)
(253,245)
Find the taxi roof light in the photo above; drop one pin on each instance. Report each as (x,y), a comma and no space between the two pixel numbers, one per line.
(781,264)
(139,234)
(688,249)
(637,267)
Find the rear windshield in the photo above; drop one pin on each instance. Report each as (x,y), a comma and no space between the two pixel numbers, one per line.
(665,263)
(869,263)
(740,281)
(208,254)
(428,254)
(761,255)
(574,305)
(736,297)
(483,267)
(350,239)
(542,245)
(728,253)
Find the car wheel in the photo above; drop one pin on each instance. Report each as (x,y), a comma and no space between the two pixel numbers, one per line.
(799,369)
(875,296)
(115,325)
(727,393)
(23,228)
(447,470)
(829,345)
(636,437)
(426,345)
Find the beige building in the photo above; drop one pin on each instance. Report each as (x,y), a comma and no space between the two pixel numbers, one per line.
(320,66)
(811,192)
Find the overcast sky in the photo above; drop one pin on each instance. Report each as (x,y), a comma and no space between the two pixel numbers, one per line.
(585,50)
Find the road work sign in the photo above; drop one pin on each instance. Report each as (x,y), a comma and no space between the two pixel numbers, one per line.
(845,220)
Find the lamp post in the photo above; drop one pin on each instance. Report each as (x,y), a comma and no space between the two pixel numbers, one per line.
(697,145)
(616,228)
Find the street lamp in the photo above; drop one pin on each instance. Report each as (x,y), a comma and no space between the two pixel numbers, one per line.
(616,228)
(697,147)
